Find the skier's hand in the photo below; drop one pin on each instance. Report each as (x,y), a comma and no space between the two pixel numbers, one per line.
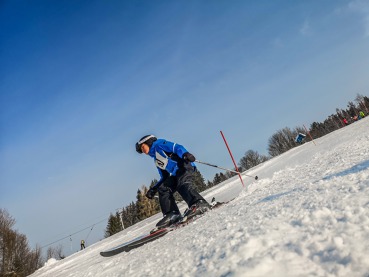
(188,157)
(151,192)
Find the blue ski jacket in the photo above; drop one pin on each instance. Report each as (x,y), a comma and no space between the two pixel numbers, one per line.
(168,157)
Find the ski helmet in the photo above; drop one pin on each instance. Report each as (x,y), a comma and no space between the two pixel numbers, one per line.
(149,139)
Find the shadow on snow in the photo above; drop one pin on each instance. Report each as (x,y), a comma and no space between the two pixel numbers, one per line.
(356,168)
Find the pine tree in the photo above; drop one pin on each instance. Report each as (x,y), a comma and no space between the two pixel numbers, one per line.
(217,179)
(144,206)
(140,205)
(222,177)
(155,206)
(130,215)
(199,181)
(362,103)
(317,130)
(114,225)
(352,109)
(209,184)
(366,104)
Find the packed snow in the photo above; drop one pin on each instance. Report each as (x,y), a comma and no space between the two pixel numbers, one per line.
(307,215)
(50,262)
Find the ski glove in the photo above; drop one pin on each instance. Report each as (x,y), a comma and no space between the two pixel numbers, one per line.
(151,192)
(188,157)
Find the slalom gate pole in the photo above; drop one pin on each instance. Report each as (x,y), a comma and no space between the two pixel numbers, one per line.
(309,135)
(226,169)
(230,153)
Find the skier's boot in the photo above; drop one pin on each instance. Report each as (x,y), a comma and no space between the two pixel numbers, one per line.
(196,209)
(169,219)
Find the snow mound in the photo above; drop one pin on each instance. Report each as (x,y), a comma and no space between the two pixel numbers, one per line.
(50,262)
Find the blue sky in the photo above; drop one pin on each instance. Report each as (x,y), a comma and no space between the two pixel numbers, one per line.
(82,81)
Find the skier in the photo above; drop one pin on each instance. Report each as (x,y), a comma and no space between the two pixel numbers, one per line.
(83,244)
(176,168)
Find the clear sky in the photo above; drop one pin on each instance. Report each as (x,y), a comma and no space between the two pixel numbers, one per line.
(82,81)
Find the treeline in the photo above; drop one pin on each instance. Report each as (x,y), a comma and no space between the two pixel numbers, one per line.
(281,141)
(284,139)
(16,257)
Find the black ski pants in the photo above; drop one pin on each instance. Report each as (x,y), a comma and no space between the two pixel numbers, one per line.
(183,183)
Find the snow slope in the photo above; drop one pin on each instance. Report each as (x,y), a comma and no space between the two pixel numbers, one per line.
(308,215)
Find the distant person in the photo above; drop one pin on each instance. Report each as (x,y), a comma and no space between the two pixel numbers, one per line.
(176,168)
(361,114)
(83,244)
(345,121)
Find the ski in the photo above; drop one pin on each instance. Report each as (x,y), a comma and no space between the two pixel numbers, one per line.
(185,221)
(132,244)
(155,234)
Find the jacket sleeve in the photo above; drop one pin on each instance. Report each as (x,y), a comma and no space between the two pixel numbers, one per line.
(171,147)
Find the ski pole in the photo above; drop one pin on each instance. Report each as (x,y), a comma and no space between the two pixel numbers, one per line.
(230,170)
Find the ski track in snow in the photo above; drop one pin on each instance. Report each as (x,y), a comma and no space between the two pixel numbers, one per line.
(308,215)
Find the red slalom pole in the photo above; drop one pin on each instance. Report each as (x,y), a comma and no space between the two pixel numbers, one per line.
(230,153)
(309,135)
